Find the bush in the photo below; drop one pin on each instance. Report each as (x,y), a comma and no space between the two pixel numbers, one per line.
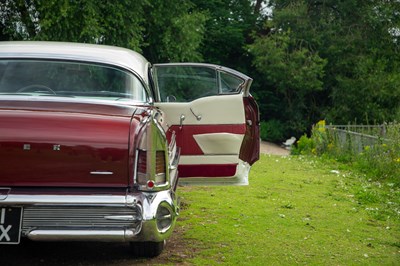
(313,145)
(304,146)
(272,130)
(380,161)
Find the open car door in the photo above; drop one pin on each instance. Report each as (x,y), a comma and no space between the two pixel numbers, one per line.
(214,119)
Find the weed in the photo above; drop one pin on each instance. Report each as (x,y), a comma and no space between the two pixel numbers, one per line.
(377,157)
(296,210)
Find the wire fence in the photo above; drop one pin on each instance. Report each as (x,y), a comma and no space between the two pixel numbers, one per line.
(357,137)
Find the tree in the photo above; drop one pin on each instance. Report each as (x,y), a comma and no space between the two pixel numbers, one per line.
(164,30)
(103,22)
(228,29)
(364,80)
(88,21)
(15,20)
(339,58)
(173,31)
(293,69)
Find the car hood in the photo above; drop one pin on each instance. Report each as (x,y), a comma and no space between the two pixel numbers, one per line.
(65,144)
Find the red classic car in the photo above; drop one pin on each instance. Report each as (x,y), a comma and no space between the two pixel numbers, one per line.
(92,139)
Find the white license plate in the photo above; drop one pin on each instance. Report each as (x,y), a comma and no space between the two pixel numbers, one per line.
(10,225)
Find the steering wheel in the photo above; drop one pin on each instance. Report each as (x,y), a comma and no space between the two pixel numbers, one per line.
(36,88)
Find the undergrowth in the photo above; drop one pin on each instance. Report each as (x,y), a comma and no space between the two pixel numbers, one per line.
(379,161)
(297,210)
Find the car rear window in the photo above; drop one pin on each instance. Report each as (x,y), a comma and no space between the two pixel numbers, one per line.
(69,79)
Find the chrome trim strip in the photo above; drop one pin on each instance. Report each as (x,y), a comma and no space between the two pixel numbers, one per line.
(82,235)
(101,173)
(28,199)
(4,192)
(123,218)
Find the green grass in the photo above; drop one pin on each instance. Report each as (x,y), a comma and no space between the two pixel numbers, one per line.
(296,210)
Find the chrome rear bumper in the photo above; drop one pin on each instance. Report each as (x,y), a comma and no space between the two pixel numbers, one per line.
(141,216)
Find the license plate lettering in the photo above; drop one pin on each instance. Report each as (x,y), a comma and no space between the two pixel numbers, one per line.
(10,225)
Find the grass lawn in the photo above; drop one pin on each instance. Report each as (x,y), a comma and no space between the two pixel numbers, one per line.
(296,210)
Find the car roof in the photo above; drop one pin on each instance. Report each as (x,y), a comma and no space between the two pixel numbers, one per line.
(105,54)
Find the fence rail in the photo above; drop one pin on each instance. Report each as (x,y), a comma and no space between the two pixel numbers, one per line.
(356,137)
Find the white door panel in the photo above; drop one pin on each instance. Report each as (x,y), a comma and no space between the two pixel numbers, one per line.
(221,109)
(219,143)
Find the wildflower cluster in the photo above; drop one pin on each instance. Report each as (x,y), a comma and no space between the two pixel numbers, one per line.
(378,157)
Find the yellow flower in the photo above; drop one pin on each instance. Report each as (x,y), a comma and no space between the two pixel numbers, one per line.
(397,160)
(321,125)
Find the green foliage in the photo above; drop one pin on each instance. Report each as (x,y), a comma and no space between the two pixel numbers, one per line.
(295,72)
(173,31)
(330,59)
(304,146)
(320,216)
(272,130)
(105,22)
(227,31)
(371,94)
(380,161)
(162,30)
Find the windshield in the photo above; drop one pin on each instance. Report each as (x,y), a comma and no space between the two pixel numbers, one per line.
(69,79)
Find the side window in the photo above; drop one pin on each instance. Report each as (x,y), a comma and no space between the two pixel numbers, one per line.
(229,84)
(186,83)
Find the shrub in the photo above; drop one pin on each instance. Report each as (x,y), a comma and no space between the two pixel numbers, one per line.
(272,130)
(315,144)
(380,161)
(304,146)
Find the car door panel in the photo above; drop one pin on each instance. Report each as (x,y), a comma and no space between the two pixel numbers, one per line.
(219,143)
(214,110)
(221,116)
(216,133)
(186,136)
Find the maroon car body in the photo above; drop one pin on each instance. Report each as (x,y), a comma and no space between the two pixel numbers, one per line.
(88,140)
(91,137)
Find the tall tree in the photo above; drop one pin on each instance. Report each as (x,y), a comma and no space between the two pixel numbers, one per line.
(173,31)
(102,22)
(89,21)
(167,30)
(292,68)
(16,21)
(228,29)
(349,59)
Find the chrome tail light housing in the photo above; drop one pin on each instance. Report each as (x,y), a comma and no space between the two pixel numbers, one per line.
(152,156)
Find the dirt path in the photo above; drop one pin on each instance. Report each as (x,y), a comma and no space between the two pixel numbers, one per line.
(271,148)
